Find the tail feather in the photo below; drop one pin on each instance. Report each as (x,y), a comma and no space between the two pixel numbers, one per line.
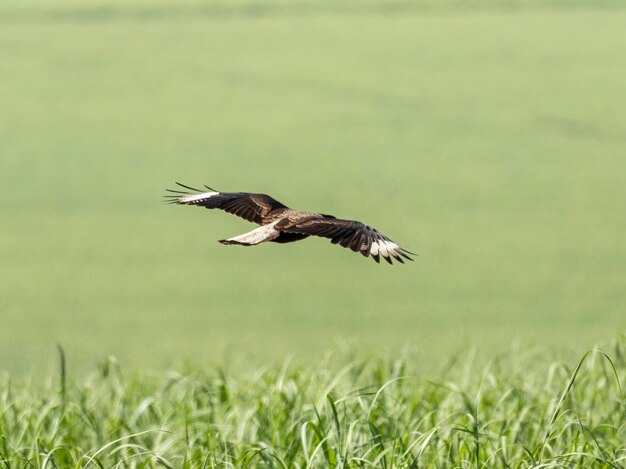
(257,236)
(230,241)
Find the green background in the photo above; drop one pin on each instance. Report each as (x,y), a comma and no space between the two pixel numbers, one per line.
(490,138)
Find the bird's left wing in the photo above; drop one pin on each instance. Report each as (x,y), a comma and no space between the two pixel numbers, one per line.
(349,234)
(251,207)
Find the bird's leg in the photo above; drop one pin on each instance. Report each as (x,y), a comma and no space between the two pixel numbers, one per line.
(256,236)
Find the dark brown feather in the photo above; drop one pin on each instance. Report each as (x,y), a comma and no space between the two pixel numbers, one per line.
(349,234)
(256,208)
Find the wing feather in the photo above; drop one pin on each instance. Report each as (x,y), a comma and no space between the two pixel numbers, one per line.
(349,234)
(255,208)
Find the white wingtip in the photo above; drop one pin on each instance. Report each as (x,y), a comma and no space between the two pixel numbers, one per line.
(188,199)
(383,247)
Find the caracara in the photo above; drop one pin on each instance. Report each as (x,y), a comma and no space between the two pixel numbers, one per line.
(280,224)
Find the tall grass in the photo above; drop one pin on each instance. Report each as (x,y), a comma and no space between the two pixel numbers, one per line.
(519,410)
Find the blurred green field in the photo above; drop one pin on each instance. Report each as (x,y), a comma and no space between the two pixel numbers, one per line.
(490,141)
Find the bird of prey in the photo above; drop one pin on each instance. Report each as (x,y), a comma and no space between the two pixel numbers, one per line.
(280,224)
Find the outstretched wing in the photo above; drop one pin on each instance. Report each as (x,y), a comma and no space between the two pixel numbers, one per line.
(350,234)
(251,207)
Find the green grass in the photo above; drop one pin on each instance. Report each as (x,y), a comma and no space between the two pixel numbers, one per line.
(522,410)
(491,142)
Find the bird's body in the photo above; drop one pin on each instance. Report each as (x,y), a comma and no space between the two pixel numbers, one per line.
(280,224)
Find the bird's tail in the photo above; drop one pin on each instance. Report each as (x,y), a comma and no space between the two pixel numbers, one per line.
(230,241)
(257,236)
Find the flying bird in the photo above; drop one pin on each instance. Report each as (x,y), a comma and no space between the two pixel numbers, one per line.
(280,224)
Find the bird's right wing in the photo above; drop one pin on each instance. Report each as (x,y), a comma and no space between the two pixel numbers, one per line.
(354,235)
(251,207)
